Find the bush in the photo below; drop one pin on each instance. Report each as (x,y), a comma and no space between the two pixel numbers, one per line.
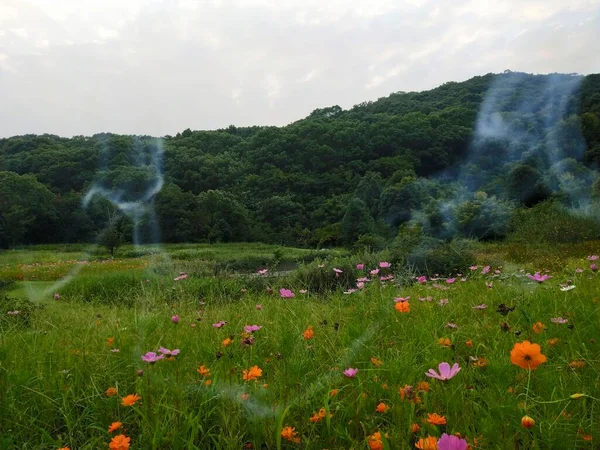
(549,222)
(23,308)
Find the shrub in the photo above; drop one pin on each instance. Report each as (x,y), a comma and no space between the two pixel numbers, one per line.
(24,308)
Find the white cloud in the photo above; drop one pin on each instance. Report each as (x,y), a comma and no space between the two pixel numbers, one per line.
(160,66)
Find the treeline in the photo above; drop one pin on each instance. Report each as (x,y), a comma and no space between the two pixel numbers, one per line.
(337,177)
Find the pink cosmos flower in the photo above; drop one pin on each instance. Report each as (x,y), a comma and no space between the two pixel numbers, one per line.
(593,258)
(175,319)
(480,307)
(490,284)
(360,266)
(443,302)
(473,267)
(350,291)
(425,299)
(450,280)
(485,270)
(451,442)
(559,320)
(387,278)
(593,267)
(167,352)
(374,272)
(57,296)
(350,372)
(259,306)
(152,357)
(303,291)
(385,265)
(446,373)
(262,271)
(579,270)
(539,278)
(401,299)
(363,280)
(286,293)
(422,279)
(336,270)
(252,328)
(182,276)
(219,324)
(360,285)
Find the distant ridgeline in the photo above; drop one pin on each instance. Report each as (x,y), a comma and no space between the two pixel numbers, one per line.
(458,160)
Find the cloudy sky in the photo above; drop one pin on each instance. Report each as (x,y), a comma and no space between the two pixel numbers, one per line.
(72,67)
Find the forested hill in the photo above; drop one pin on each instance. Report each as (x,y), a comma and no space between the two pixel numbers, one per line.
(456,159)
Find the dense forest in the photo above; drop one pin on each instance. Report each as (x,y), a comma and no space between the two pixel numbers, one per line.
(458,160)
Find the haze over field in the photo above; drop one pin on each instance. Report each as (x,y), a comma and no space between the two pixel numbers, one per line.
(156,67)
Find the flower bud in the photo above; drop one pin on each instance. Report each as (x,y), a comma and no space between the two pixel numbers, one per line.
(527,422)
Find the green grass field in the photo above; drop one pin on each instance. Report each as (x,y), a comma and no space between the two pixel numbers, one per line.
(60,357)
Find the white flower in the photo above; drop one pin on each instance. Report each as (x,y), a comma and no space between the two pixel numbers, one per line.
(567,288)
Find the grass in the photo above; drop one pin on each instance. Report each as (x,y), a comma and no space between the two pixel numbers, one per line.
(56,368)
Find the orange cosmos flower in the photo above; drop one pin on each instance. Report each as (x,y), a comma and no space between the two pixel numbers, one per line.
(423,386)
(403,307)
(552,342)
(429,443)
(527,422)
(226,342)
(334,392)
(110,341)
(114,426)
(130,400)
(204,371)
(414,428)
(382,408)
(64,448)
(445,342)
(308,333)
(119,442)
(207,382)
(436,419)
(375,442)
(577,364)
(289,433)
(376,362)
(538,327)
(111,391)
(469,343)
(253,374)
(527,355)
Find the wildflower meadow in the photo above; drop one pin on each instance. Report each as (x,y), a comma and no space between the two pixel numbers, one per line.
(347,351)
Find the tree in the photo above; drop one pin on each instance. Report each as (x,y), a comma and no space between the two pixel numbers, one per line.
(111,239)
(356,222)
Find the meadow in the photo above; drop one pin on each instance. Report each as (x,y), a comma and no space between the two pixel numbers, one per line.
(252,346)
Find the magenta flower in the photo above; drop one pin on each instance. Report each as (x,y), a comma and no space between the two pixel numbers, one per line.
(387,277)
(262,271)
(446,372)
(286,293)
(57,296)
(539,278)
(593,267)
(259,306)
(443,302)
(182,276)
(374,272)
(385,265)
(401,299)
(485,270)
(451,442)
(482,306)
(252,328)
(175,319)
(559,320)
(360,266)
(363,280)
(336,270)
(152,357)
(219,324)
(360,285)
(422,279)
(350,372)
(473,267)
(579,270)
(450,280)
(167,352)
(593,258)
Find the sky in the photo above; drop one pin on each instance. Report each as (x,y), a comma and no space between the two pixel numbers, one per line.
(157,67)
